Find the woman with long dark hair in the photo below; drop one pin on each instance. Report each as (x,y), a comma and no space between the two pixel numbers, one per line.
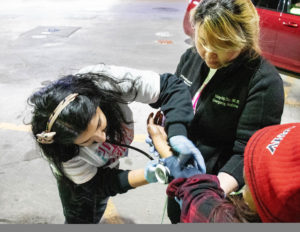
(78,121)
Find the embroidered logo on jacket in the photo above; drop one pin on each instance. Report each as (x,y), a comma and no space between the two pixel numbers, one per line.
(185,80)
(226,101)
(276,141)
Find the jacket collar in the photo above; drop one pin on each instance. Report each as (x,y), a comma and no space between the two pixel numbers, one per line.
(243,59)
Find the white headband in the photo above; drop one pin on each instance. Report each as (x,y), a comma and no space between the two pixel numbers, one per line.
(46,137)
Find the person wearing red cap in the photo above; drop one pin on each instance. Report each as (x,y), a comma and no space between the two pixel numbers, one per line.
(272,173)
(272,183)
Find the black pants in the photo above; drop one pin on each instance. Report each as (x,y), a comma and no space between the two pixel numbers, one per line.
(174,211)
(81,204)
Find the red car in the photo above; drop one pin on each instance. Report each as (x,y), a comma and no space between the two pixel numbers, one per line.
(280,31)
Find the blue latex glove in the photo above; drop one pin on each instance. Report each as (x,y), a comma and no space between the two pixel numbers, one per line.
(152,149)
(176,171)
(187,150)
(149,171)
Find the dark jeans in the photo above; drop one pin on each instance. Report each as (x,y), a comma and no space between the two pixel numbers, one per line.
(81,204)
(174,211)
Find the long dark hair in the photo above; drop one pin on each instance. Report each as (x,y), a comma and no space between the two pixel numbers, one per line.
(233,209)
(94,90)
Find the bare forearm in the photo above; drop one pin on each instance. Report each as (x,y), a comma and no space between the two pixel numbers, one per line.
(136,178)
(162,147)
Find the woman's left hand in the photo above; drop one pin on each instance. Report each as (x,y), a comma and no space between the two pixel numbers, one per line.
(155,128)
(158,136)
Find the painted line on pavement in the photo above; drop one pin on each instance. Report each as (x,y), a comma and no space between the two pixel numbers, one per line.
(11,126)
(139,138)
(111,215)
(290,100)
(287,89)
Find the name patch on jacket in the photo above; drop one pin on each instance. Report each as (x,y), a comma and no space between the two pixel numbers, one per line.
(185,80)
(226,101)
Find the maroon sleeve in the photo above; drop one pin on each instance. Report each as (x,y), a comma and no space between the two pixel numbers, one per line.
(200,194)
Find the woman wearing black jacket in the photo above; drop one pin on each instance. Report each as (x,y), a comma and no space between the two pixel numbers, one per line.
(234,90)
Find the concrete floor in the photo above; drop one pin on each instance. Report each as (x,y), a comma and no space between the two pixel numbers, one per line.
(44,39)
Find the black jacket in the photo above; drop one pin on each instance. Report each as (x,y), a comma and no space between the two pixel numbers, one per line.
(240,99)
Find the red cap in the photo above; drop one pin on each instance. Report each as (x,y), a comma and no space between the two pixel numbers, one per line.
(272,172)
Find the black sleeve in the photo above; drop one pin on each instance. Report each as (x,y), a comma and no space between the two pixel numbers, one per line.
(109,182)
(176,103)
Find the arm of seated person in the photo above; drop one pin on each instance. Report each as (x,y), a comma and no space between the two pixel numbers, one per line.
(159,137)
(227,182)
